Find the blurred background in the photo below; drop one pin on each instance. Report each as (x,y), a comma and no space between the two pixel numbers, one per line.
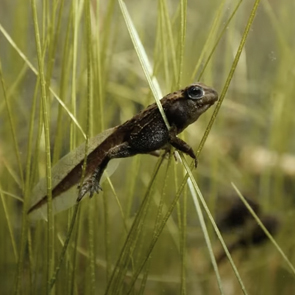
(251,144)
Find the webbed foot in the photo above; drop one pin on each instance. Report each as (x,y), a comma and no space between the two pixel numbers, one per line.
(90,186)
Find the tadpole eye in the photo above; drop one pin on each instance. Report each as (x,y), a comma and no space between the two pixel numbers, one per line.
(195,92)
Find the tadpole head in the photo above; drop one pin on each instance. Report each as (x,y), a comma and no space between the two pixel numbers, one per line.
(200,97)
(188,104)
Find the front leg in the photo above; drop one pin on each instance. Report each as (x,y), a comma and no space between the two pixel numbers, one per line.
(91,184)
(181,145)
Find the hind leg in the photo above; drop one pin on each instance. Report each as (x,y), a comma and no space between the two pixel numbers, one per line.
(91,185)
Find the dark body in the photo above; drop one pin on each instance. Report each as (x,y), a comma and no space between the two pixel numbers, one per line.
(145,133)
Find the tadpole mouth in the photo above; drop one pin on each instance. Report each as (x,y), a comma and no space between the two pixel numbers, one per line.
(210,98)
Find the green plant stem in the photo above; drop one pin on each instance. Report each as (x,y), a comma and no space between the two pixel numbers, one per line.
(12,127)
(65,247)
(230,75)
(50,227)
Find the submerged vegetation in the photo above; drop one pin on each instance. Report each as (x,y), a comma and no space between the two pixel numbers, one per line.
(71,69)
